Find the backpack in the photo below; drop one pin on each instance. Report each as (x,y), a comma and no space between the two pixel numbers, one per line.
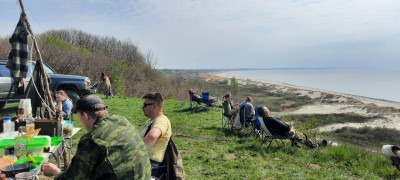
(173,161)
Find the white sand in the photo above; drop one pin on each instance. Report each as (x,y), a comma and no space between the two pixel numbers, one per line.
(331,103)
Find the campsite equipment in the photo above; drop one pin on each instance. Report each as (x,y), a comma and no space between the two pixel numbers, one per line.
(26,176)
(35,146)
(12,170)
(8,125)
(34,165)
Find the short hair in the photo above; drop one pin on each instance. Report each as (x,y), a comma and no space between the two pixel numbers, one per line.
(248,99)
(261,111)
(156,97)
(62,93)
(227,95)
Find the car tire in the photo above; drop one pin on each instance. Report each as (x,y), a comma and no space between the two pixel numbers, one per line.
(2,104)
(74,97)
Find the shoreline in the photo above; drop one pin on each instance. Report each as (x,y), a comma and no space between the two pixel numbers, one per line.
(329,103)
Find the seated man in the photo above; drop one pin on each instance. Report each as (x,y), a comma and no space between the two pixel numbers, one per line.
(66,102)
(195,97)
(248,109)
(157,130)
(111,149)
(278,127)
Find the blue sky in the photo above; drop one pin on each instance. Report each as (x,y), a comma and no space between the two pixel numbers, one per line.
(232,33)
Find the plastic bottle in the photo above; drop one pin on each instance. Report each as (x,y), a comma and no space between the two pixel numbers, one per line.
(20,145)
(30,123)
(38,113)
(7,125)
(21,114)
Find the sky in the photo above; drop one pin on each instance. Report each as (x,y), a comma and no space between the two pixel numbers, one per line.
(217,34)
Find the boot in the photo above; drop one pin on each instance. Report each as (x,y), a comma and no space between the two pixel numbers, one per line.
(323,143)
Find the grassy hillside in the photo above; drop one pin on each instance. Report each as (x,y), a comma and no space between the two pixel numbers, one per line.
(212,152)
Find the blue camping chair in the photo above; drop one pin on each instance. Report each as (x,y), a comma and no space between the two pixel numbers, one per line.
(158,172)
(206,97)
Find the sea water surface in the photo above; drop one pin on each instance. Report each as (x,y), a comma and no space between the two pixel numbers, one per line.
(373,83)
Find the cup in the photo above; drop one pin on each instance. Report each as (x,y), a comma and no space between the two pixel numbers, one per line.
(26,176)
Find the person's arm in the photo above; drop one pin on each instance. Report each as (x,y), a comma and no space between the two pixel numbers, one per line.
(84,161)
(151,137)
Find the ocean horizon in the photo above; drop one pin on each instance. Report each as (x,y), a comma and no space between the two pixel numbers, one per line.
(373,83)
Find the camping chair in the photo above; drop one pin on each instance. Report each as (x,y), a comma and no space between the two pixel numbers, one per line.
(158,172)
(206,98)
(247,125)
(269,136)
(195,99)
(226,119)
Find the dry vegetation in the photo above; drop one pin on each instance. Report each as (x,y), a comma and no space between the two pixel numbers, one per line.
(131,71)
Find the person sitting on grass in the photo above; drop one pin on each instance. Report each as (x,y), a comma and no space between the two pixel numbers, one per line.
(278,127)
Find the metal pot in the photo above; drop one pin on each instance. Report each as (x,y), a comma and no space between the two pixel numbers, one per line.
(12,170)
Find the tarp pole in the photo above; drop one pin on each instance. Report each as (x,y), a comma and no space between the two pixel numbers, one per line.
(46,83)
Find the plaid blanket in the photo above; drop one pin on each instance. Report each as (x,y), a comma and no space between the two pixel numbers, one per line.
(18,57)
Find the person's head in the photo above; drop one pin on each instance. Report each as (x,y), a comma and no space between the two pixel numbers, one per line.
(103,76)
(249,99)
(61,95)
(153,105)
(264,112)
(89,109)
(191,91)
(228,96)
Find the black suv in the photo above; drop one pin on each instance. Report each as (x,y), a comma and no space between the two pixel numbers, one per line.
(74,86)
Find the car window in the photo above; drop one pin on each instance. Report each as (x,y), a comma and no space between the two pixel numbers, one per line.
(4,72)
(47,69)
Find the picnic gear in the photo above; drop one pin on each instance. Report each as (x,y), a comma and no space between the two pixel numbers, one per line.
(38,160)
(12,170)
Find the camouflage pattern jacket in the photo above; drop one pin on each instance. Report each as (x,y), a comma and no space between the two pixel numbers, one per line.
(113,149)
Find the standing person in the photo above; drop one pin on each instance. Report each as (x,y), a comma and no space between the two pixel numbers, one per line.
(283,129)
(106,85)
(111,149)
(249,112)
(157,130)
(66,102)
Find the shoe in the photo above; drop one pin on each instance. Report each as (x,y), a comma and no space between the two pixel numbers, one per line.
(323,143)
(294,144)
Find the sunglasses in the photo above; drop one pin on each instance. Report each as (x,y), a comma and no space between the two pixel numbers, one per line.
(147,104)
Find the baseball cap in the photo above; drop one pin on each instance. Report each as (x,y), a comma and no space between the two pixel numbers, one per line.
(90,103)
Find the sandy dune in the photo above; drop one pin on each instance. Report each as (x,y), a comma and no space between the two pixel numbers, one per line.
(331,103)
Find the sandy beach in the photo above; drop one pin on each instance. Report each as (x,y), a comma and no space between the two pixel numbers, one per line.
(328,102)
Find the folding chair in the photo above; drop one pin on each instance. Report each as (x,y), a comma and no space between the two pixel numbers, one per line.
(158,172)
(195,99)
(226,119)
(206,99)
(269,136)
(247,125)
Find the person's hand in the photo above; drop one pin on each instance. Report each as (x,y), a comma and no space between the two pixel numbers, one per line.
(50,169)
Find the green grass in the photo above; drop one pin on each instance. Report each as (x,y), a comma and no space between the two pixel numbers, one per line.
(212,152)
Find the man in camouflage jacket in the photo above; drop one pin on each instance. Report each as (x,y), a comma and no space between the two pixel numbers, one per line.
(112,149)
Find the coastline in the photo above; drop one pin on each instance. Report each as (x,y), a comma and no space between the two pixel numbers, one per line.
(329,102)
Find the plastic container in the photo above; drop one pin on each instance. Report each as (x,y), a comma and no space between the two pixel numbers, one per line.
(8,125)
(56,140)
(38,160)
(35,147)
(30,123)
(67,128)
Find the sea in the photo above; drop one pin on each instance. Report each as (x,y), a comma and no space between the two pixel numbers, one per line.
(373,83)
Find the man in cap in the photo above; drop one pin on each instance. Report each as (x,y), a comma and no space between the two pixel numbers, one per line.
(111,149)
(157,130)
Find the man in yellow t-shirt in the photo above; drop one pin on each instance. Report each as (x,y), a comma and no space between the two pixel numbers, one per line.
(157,130)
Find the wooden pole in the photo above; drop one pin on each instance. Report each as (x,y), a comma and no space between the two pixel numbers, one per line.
(46,83)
